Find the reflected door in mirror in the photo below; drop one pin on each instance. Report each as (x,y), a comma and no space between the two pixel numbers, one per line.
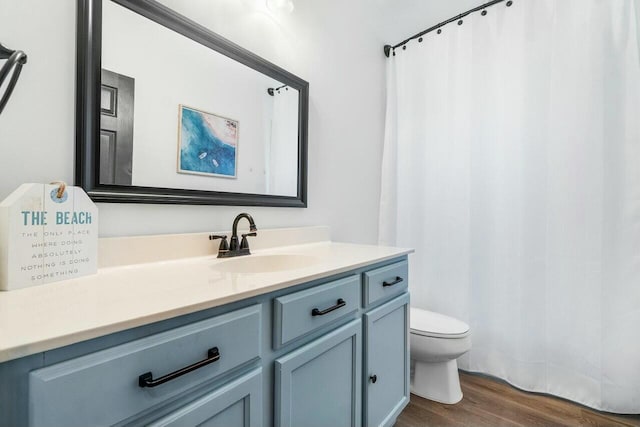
(116,128)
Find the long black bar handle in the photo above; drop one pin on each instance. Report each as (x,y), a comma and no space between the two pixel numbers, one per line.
(146,379)
(395,282)
(318,312)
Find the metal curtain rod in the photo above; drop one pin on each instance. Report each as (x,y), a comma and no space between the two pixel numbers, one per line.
(388,48)
(272,90)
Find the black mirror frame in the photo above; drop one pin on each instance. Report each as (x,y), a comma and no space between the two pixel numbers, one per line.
(88,67)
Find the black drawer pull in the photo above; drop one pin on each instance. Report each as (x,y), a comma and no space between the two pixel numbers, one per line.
(373,378)
(146,379)
(318,312)
(395,282)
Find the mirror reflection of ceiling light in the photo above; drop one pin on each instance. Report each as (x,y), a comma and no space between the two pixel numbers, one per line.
(280,5)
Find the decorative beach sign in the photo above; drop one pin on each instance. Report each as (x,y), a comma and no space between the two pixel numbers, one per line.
(208,144)
(47,233)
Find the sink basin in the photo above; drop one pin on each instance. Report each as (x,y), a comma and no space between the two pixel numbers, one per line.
(264,263)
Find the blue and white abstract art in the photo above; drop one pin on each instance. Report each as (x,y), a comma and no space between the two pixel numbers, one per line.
(208,144)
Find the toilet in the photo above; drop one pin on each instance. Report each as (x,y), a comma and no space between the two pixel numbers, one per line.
(436,342)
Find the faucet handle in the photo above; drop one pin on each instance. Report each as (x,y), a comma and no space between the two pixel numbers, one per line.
(224,245)
(244,243)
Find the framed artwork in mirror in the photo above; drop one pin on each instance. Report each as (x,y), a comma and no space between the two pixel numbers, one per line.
(207,144)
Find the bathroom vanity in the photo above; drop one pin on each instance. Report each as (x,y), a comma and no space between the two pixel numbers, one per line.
(312,334)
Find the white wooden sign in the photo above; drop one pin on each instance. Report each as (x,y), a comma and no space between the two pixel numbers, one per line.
(46,238)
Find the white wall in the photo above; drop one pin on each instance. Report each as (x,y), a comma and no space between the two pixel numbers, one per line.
(333,44)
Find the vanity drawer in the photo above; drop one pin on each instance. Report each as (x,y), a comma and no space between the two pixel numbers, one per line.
(302,312)
(238,403)
(385,282)
(104,387)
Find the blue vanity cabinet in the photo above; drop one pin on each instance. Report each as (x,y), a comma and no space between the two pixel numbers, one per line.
(303,356)
(386,362)
(319,384)
(238,403)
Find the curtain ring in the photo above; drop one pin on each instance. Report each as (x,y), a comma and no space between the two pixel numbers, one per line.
(61,187)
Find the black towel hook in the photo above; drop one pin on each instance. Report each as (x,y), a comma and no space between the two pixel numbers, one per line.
(5,52)
(15,60)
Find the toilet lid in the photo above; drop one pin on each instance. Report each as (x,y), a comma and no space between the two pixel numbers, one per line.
(431,324)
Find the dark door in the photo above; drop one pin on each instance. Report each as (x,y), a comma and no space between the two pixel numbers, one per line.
(116,128)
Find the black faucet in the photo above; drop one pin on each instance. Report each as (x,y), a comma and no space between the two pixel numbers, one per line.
(228,250)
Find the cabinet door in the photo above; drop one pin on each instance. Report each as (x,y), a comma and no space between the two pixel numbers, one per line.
(238,403)
(319,384)
(386,359)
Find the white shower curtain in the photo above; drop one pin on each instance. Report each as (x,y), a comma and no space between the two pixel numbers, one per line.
(512,165)
(281,159)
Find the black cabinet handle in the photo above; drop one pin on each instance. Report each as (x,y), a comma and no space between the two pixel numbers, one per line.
(146,379)
(373,378)
(318,312)
(395,282)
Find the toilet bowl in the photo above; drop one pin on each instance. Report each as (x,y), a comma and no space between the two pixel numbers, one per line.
(436,342)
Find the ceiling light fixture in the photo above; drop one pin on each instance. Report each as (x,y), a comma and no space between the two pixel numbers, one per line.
(280,5)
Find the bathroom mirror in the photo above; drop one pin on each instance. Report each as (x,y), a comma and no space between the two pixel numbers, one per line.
(170,112)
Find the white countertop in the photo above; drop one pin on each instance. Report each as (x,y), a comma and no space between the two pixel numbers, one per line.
(45,317)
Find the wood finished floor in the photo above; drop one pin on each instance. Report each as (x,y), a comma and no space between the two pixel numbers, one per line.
(491,403)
